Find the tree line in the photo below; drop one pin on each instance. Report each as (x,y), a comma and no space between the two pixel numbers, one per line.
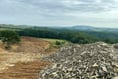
(9,37)
(72,36)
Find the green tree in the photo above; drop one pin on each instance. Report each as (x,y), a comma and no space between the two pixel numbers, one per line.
(9,37)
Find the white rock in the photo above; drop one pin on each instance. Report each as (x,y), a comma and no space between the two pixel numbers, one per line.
(69,69)
(95,65)
(115,77)
(104,69)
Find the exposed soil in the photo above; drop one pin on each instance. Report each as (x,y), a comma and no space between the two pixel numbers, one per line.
(31,45)
(23,60)
(22,70)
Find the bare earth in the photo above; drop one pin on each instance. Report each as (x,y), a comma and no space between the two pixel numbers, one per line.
(23,60)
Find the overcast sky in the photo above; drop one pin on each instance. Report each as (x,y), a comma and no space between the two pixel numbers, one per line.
(100,13)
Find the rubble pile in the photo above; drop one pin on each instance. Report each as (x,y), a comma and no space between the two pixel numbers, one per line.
(90,61)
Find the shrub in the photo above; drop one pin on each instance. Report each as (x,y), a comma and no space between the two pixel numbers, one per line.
(9,37)
(58,43)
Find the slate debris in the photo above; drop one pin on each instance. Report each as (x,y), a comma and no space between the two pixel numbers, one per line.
(90,61)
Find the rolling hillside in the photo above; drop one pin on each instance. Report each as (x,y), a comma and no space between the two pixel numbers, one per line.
(75,34)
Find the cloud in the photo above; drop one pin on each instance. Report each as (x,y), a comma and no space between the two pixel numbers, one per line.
(53,7)
(72,5)
(62,12)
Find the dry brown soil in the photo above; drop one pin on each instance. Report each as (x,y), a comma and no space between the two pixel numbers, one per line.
(23,60)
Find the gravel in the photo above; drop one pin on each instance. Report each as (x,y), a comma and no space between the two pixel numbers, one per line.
(89,61)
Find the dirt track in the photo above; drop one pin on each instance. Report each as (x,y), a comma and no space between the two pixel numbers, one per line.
(23,61)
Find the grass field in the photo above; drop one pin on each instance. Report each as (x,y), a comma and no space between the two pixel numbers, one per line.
(57,43)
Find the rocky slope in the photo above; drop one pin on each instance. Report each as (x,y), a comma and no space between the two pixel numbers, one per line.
(90,61)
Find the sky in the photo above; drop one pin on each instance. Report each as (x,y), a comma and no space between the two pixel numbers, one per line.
(99,13)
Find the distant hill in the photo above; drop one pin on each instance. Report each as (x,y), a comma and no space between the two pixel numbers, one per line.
(83,27)
(77,27)
(74,34)
(91,28)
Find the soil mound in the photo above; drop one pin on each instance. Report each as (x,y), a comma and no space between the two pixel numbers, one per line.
(31,45)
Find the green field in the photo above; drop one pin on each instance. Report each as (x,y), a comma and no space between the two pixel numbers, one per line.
(57,43)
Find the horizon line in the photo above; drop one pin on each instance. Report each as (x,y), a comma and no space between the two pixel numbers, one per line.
(32,25)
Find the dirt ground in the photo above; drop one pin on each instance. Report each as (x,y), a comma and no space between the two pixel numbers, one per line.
(23,60)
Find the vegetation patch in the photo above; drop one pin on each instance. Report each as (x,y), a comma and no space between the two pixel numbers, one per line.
(9,37)
(56,43)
